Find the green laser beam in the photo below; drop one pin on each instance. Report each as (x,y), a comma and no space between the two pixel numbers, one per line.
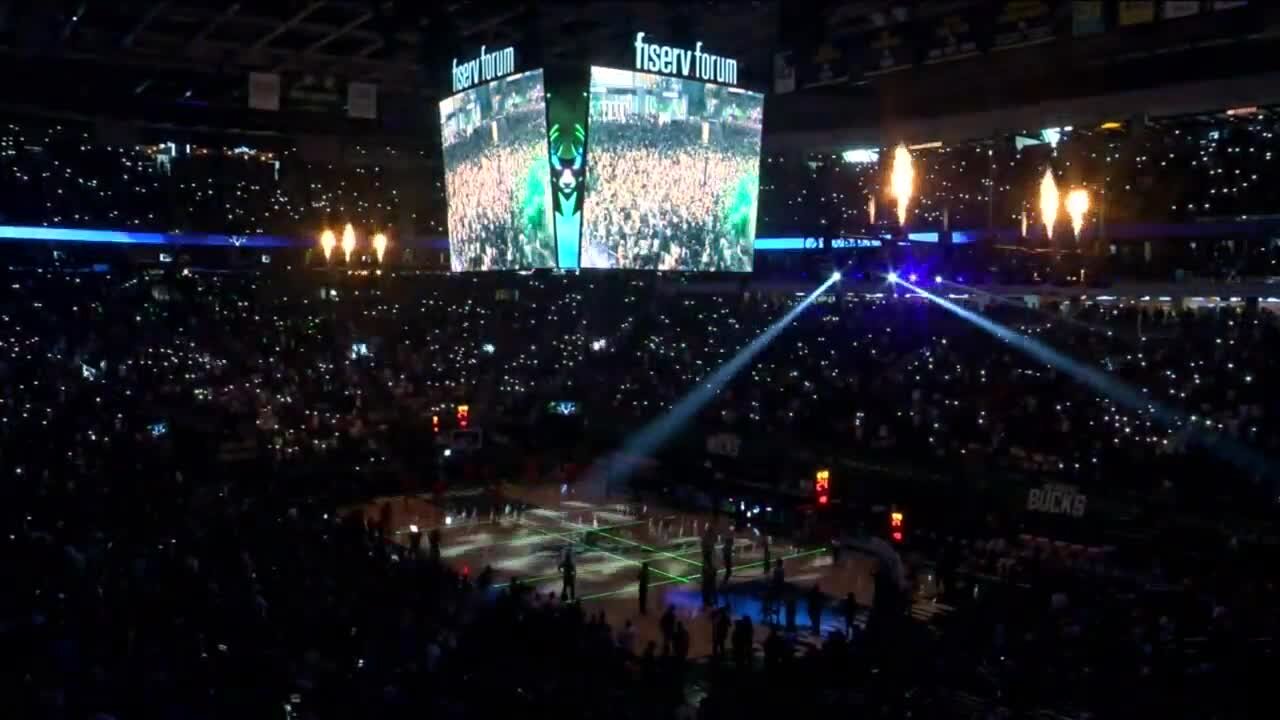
(580,526)
(629,588)
(498,521)
(792,556)
(530,581)
(557,575)
(516,540)
(655,551)
(642,546)
(531,525)
(460,526)
(569,538)
(544,578)
(610,593)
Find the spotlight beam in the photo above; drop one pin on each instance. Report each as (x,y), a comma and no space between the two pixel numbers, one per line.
(649,439)
(1085,326)
(1242,457)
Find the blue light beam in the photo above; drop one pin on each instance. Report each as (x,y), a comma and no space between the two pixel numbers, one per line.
(1051,317)
(1235,453)
(649,439)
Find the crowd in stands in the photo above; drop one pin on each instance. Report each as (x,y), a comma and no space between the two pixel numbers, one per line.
(179,448)
(1164,172)
(69,174)
(1109,627)
(662,194)
(500,196)
(887,377)
(72,175)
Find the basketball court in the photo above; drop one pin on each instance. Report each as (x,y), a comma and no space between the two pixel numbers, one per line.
(527,534)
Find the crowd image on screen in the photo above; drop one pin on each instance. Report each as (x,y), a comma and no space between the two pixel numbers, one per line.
(495,139)
(667,176)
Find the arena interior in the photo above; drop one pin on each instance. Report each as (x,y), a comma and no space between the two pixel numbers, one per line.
(929,370)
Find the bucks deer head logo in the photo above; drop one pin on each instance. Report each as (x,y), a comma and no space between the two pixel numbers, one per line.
(568,165)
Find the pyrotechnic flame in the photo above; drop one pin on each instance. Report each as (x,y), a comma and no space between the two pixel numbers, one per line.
(327,242)
(1024,222)
(348,241)
(901,181)
(380,246)
(871,208)
(1048,202)
(1077,206)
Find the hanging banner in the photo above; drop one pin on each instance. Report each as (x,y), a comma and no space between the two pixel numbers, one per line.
(725,444)
(784,73)
(1229,4)
(888,50)
(1179,8)
(953,37)
(1136,12)
(828,64)
(314,93)
(264,91)
(1087,17)
(362,101)
(1022,23)
(1057,499)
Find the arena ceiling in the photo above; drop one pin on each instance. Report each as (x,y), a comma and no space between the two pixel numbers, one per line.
(185,62)
(377,41)
(195,48)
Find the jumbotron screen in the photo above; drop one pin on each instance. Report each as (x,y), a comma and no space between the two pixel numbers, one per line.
(675,173)
(496,180)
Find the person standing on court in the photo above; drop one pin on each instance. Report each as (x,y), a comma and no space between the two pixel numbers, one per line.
(815,601)
(708,585)
(773,651)
(726,555)
(668,627)
(568,577)
(743,642)
(627,640)
(765,568)
(680,645)
(720,626)
(434,552)
(415,540)
(850,609)
(644,588)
